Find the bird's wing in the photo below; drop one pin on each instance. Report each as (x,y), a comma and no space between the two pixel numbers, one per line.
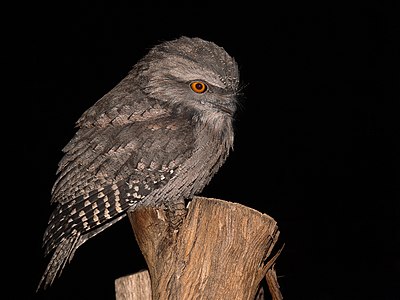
(105,171)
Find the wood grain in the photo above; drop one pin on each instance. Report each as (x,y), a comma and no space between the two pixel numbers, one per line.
(220,251)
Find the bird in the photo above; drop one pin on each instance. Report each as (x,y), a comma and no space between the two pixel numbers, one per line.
(156,139)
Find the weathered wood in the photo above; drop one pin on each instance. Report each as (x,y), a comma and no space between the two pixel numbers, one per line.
(133,287)
(220,251)
(273,284)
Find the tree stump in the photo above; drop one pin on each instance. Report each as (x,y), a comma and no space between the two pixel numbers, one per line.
(220,251)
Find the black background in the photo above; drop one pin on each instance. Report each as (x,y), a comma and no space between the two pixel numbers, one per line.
(316,147)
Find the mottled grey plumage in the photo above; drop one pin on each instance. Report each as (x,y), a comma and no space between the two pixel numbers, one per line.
(155,137)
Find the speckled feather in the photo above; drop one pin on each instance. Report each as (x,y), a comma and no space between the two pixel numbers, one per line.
(150,141)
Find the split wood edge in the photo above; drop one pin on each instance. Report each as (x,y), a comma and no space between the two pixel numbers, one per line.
(221,251)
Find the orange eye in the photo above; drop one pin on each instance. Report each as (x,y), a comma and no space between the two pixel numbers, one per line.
(198,87)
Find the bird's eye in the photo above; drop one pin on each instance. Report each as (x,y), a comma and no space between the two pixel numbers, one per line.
(198,87)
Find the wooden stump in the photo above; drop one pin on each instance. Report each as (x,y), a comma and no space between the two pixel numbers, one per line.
(133,287)
(220,251)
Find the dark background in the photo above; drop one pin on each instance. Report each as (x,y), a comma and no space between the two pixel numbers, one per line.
(316,148)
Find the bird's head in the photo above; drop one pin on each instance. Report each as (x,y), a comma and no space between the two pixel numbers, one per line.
(192,73)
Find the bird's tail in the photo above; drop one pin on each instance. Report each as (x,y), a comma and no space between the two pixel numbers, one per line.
(62,254)
(65,252)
